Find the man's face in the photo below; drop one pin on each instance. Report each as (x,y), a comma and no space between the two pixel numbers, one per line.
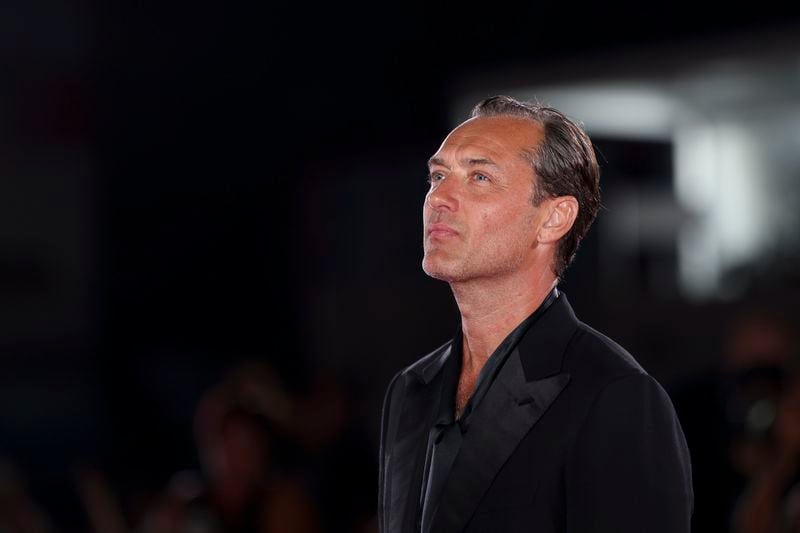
(479,220)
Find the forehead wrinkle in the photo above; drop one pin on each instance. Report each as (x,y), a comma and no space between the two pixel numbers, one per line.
(437,161)
(474,161)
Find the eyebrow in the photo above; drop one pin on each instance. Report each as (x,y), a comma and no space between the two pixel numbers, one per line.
(437,161)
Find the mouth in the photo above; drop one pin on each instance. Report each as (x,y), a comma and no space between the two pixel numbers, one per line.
(441,231)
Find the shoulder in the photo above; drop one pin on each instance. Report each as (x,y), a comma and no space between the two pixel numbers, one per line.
(422,370)
(427,366)
(594,354)
(610,379)
(603,371)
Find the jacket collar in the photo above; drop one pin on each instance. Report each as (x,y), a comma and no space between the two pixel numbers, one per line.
(542,347)
(429,366)
(528,383)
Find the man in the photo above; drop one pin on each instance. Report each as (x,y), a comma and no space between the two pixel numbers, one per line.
(528,420)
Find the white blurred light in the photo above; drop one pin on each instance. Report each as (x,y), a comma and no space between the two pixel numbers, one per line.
(627,109)
(715,176)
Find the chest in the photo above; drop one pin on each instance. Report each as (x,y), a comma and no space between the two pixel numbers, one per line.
(466,386)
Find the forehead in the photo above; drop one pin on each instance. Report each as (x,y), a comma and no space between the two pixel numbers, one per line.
(492,136)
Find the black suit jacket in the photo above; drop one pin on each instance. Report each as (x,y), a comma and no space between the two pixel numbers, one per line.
(573,436)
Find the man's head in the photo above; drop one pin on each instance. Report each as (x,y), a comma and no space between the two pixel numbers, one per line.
(563,163)
(515,181)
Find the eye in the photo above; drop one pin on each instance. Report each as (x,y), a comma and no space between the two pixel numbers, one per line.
(435,177)
(481,177)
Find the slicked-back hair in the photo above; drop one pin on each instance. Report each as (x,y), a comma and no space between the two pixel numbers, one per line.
(563,163)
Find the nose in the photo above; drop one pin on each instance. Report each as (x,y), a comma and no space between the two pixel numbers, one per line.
(444,195)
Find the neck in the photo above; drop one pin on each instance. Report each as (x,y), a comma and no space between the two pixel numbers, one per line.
(491,308)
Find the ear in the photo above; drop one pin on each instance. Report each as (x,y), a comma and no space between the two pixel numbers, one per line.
(560,214)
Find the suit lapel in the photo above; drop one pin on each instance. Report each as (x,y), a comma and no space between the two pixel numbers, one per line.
(529,382)
(423,385)
(505,415)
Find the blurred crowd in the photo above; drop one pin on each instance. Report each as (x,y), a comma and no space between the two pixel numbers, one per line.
(269,461)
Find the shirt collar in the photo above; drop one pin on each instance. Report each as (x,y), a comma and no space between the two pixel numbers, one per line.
(451,369)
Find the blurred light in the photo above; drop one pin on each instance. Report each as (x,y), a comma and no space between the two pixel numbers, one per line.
(625,109)
(761,416)
(717,177)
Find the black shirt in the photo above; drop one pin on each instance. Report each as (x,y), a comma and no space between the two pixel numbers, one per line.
(445,436)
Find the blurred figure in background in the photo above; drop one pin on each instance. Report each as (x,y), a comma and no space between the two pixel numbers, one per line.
(771,502)
(270,462)
(251,479)
(273,461)
(729,415)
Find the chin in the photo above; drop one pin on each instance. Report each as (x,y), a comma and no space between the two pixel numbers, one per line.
(437,270)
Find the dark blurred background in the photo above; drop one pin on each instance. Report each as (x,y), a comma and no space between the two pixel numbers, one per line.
(210,221)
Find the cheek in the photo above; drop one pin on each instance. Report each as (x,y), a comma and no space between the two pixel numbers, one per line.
(494,229)
(498,221)
(508,228)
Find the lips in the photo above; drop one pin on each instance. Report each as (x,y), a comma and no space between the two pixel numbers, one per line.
(441,230)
